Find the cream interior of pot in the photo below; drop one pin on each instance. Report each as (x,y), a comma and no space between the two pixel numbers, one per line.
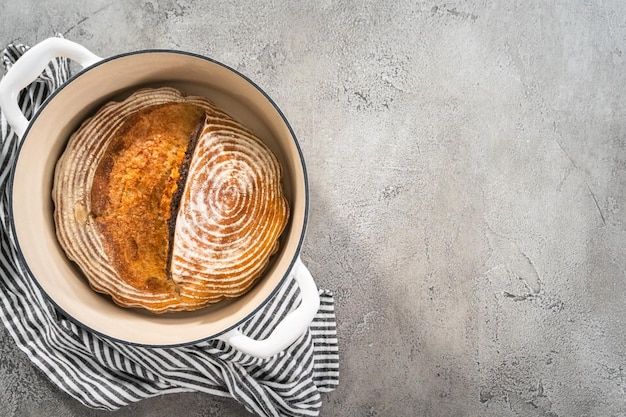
(32,206)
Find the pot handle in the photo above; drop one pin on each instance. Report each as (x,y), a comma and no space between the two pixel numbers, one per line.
(289,329)
(28,67)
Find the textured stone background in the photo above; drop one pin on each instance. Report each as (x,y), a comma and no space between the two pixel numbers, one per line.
(467,162)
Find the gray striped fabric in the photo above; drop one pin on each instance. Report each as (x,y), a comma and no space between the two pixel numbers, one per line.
(106,374)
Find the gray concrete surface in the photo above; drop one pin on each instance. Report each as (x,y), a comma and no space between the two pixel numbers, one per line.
(467,164)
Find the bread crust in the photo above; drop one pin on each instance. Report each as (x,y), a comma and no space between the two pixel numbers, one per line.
(126,193)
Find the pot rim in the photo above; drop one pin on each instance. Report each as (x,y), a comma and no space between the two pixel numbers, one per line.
(67,84)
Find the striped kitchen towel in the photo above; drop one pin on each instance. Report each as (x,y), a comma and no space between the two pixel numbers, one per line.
(106,374)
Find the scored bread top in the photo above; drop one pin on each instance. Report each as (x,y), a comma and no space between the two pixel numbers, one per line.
(167,203)
(232,208)
(134,187)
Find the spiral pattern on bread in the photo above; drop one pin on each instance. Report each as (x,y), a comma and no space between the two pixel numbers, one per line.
(165,215)
(232,207)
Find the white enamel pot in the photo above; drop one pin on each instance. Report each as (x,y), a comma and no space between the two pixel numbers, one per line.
(43,138)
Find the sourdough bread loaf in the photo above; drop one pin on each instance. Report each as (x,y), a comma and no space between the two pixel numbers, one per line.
(167,203)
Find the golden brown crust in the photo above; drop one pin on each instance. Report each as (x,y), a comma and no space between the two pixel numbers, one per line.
(136,193)
(133,188)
